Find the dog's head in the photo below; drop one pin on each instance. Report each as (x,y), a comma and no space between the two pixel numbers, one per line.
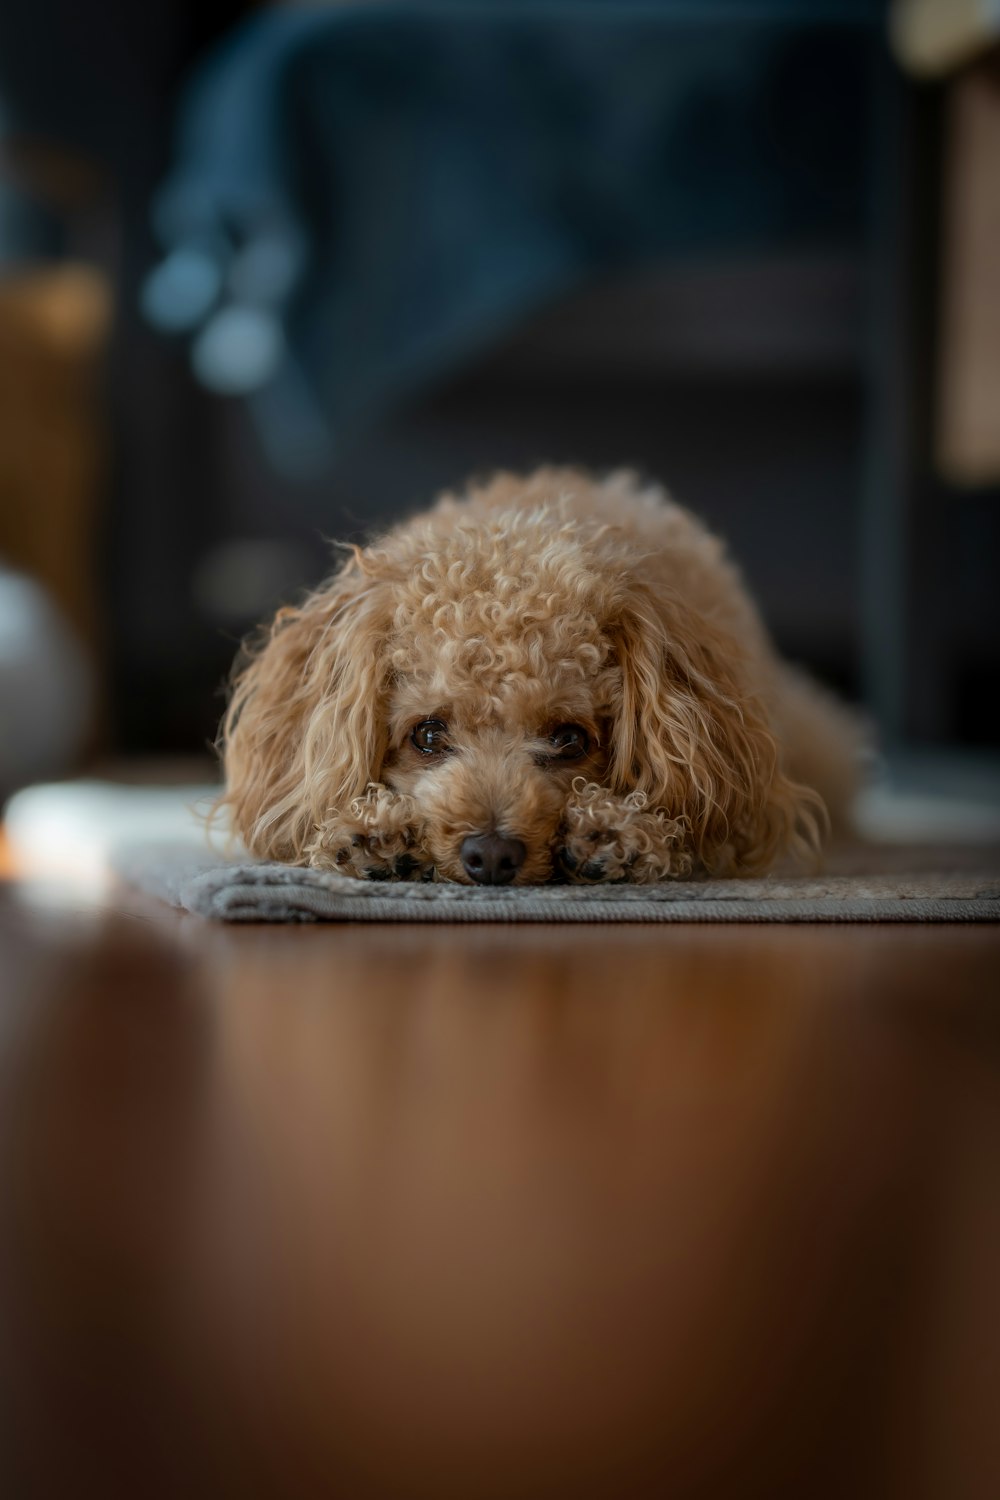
(481,665)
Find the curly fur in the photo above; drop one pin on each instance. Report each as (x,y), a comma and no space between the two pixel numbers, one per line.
(528,603)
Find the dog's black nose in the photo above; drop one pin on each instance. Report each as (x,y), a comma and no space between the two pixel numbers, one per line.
(490,859)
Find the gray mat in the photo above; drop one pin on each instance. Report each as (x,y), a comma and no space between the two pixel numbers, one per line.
(862,885)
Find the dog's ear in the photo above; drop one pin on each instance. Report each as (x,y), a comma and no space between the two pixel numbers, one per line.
(693,737)
(305,729)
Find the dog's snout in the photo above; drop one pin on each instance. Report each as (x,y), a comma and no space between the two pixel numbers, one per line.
(491,859)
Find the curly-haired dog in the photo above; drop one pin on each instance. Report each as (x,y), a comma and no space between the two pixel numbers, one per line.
(554,676)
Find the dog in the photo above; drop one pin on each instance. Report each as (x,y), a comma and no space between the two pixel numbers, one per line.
(555,676)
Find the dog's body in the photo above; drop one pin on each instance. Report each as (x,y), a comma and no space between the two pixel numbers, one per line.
(554,676)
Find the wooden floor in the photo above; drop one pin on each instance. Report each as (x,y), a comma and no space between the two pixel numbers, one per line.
(479,1211)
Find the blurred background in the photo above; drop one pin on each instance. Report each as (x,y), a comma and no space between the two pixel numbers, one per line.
(275,274)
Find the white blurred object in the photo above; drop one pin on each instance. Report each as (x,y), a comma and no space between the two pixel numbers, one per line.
(46,686)
(933,797)
(70,829)
(909,818)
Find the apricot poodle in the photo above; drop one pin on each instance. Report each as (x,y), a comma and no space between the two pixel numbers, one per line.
(553,677)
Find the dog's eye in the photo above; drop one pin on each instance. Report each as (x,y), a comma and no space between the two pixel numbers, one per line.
(430,737)
(569,742)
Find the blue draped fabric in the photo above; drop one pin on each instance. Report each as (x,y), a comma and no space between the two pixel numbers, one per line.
(366,196)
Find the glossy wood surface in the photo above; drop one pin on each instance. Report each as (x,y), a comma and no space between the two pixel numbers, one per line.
(479,1211)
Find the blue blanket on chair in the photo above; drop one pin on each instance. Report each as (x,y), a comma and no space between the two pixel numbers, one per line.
(365,196)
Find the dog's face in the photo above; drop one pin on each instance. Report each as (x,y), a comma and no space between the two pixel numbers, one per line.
(489,764)
(501,687)
(471,671)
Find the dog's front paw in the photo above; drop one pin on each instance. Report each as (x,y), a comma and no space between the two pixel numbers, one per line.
(375,857)
(378,840)
(611,839)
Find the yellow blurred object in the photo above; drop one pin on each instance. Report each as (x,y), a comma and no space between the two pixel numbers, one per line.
(968,415)
(930,37)
(54,325)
